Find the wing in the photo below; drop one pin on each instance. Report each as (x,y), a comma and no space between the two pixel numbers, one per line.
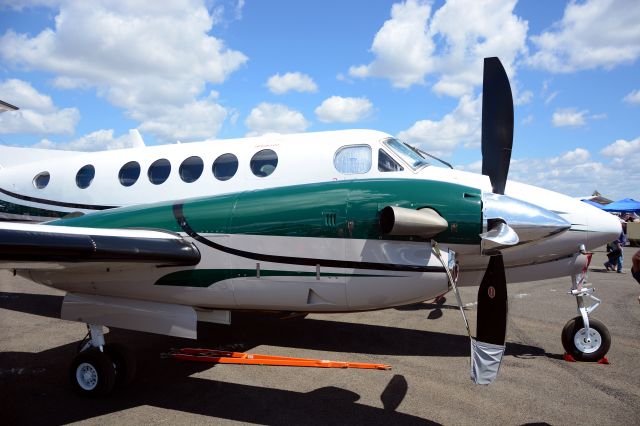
(32,246)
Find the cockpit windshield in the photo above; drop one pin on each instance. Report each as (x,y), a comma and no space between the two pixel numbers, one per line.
(408,154)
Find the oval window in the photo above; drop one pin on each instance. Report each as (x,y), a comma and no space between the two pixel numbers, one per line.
(41,180)
(225,166)
(159,171)
(191,169)
(264,162)
(85,176)
(129,173)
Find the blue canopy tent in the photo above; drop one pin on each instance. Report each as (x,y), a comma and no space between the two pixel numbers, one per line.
(626,205)
(593,203)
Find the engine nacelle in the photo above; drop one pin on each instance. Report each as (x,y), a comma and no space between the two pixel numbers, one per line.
(424,223)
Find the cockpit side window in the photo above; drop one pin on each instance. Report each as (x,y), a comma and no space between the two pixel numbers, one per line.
(387,164)
(406,153)
(353,159)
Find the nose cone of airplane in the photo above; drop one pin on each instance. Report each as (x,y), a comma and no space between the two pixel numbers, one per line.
(530,222)
(601,227)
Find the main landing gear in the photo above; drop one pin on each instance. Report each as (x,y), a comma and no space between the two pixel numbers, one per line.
(99,368)
(584,338)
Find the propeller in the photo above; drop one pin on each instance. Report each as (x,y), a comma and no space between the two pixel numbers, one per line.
(497,140)
(497,123)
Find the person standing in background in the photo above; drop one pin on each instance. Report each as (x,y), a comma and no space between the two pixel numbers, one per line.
(614,250)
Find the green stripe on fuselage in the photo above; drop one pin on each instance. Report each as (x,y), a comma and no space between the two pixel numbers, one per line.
(341,209)
(209,277)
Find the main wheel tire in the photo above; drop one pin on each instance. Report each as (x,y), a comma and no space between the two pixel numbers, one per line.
(574,339)
(124,363)
(92,373)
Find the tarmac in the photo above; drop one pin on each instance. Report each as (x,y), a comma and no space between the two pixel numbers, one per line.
(426,345)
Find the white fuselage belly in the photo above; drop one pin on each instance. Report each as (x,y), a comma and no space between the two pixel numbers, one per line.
(257,285)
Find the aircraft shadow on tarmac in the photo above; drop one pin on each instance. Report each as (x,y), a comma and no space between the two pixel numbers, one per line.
(251,330)
(38,393)
(29,380)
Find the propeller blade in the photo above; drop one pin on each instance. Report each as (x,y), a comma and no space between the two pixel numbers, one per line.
(491,329)
(492,303)
(497,124)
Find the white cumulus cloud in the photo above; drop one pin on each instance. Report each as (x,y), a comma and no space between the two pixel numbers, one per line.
(96,141)
(442,137)
(343,110)
(194,120)
(137,57)
(622,148)
(523,97)
(578,155)
(572,173)
(569,117)
(633,97)
(402,47)
(274,118)
(450,44)
(23,95)
(37,113)
(577,173)
(591,34)
(291,81)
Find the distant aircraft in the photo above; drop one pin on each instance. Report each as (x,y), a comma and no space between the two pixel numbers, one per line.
(157,238)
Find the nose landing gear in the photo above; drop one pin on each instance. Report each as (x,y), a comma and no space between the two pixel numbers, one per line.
(584,338)
(586,344)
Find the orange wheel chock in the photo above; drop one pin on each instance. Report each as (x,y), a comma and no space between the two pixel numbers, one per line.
(225,357)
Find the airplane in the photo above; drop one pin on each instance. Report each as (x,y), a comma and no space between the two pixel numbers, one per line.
(157,238)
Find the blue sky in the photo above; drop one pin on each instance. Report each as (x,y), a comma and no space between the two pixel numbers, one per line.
(84,73)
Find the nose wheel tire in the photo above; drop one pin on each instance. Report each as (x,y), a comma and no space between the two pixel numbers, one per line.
(92,373)
(584,346)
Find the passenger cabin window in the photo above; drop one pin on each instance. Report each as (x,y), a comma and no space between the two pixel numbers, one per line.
(225,166)
(387,164)
(264,162)
(159,171)
(129,173)
(353,159)
(191,169)
(41,180)
(85,176)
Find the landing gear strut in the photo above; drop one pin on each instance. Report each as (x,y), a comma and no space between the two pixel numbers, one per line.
(100,367)
(584,338)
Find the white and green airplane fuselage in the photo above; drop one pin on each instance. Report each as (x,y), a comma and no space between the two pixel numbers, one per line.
(304,238)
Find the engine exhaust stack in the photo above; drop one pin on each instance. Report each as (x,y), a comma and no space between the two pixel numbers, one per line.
(423,223)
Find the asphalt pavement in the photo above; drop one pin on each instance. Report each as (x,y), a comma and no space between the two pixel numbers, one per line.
(426,345)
